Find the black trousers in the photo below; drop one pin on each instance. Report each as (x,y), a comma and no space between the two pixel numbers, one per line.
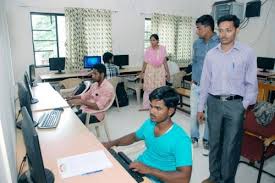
(82,117)
(225,122)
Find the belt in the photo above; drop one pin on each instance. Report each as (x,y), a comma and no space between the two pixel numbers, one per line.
(226,98)
(196,83)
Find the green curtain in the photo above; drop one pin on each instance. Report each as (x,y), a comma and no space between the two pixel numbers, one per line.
(175,32)
(88,32)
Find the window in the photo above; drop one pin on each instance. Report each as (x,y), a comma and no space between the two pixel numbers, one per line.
(48,35)
(147,32)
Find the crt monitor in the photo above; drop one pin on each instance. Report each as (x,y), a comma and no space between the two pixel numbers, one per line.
(32,75)
(121,60)
(265,63)
(57,64)
(29,88)
(90,61)
(36,173)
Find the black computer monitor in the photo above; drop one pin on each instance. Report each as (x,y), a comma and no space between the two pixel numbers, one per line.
(25,101)
(36,173)
(265,63)
(121,60)
(32,75)
(90,61)
(29,88)
(57,64)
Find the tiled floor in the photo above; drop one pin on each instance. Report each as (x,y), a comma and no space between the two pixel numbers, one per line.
(128,119)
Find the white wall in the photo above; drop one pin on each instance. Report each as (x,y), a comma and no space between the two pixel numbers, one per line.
(259,33)
(7,107)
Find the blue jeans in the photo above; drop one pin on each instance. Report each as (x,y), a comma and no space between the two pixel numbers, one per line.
(194,100)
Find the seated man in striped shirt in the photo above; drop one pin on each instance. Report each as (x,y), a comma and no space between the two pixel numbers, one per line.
(111,69)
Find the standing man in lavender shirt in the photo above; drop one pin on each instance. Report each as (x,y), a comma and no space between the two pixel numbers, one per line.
(207,40)
(228,86)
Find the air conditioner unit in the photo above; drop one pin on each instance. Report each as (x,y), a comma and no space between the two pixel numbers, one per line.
(232,7)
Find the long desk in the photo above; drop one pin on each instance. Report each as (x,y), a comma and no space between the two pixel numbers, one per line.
(83,74)
(48,98)
(70,137)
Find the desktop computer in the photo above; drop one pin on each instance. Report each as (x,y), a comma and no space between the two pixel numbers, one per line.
(57,64)
(36,173)
(32,75)
(121,60)
(90,61)
(29,88)
(265,63)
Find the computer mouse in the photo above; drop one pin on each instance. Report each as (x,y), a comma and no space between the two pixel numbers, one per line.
(59,109)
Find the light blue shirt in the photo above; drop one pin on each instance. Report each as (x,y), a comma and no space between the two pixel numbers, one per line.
(230,73)
(166,152)
(200,48)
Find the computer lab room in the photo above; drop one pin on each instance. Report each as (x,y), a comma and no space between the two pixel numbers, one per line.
(124,91)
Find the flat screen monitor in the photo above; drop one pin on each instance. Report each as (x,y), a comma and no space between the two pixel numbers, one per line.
(32,75)
(25,101)
(57,64)
(29,88)
(265,63)
(90,61)
(36,173)
(121,60)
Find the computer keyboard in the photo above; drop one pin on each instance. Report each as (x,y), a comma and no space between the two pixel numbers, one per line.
(50,119)
(125,162)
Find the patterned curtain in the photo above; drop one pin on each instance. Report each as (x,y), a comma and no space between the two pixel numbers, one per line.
(88,32)
(175,32)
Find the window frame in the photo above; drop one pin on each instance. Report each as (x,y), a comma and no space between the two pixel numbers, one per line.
(146,32)
(55,15)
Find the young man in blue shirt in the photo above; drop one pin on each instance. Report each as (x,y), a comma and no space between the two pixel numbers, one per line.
(207,40)
(168,153)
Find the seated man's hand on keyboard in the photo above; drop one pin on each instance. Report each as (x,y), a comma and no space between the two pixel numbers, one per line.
(74,102)
(140,167)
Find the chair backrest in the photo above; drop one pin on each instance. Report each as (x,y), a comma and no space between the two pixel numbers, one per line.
(177,79)
(87,86)
(114,81)
(264,90)
(70,83)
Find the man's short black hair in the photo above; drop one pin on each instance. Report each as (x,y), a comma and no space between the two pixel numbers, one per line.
(107,57)
(167,94)
(206,20)
(233,18)
(100,68)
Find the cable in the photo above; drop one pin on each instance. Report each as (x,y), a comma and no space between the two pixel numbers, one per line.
(245,24)
(22,166)
(263,28)
(264,2)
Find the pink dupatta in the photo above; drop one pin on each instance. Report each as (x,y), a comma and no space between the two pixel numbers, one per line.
(155,57)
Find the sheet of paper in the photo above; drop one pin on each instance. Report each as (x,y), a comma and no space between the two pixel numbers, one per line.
(82,164)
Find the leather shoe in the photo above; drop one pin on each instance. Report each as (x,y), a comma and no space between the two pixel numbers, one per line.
(208,180)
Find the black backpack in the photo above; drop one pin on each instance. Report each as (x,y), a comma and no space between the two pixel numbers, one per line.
(121,95)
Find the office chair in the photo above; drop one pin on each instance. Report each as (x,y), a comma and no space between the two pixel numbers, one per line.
(73,87)
(135,85)
(177,79)
(264,90)
(258,143)
(95,126)
(114,81)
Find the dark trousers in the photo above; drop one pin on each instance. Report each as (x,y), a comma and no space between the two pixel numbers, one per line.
(225,122)
(82,117)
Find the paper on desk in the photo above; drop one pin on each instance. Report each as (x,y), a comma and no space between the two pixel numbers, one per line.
(83,163)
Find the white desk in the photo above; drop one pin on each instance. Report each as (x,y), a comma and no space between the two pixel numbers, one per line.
(48,98)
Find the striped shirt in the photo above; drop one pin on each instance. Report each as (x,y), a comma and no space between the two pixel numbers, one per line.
(229,73)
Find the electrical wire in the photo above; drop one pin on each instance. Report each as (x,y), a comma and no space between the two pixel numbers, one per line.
(263,28)
(22,166)
(264,2)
